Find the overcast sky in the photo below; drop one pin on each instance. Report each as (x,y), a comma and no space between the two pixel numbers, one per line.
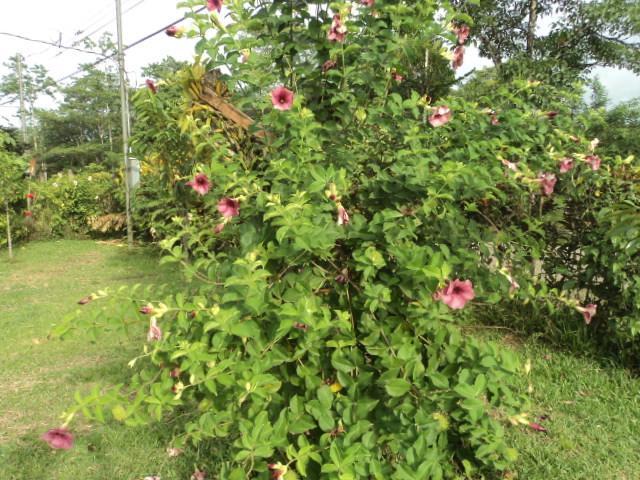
(71,20)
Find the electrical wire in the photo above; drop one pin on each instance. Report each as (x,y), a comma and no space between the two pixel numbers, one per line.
(134,44)
(52,44)
(108,57)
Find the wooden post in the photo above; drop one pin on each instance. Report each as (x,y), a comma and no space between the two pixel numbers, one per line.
(9,240)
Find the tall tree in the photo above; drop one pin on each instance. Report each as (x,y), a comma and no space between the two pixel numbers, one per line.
(580,35)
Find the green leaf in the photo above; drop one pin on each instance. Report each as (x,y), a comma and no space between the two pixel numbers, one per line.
(397,387)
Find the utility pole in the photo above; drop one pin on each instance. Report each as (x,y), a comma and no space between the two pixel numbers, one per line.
(23,116)
(124,107)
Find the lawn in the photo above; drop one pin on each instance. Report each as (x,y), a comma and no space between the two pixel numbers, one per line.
(591,411)
(40,376)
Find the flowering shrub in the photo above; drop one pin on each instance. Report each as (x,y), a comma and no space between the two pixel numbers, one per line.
(68,205)
(333,250)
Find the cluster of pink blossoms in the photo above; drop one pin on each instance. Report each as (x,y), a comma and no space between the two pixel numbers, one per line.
(462,32)
(228,207)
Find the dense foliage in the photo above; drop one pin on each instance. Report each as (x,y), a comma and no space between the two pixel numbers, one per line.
(334,252)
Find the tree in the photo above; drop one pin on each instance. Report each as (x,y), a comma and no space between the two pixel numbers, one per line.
(581,35)
(35,80)
(165,68)
(11,172)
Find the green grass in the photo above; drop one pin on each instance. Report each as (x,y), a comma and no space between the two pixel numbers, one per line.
(593,419)
(593,410)
(40,376)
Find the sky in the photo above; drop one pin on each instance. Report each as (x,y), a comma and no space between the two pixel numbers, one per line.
(71,20)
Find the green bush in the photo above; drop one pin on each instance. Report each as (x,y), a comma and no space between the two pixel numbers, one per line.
(334,251)
(70,205)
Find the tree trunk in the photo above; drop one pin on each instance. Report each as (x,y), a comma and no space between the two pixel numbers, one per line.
(531,30)
(9,240)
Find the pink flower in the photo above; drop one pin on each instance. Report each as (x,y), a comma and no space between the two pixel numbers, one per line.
(146,310)
(229,207)
(328,65)
(440,116)
(462,31)
(588,312)
(282,98)
(174,452)
(277,470)
(85,300)
(154,333)
(151,86)
(509,165)
(494,119)
(218,228)
(594,161)
(200,184)
(199,475)
(214,5)
(28,213)
(367,3)
(343,216)
(456,294)
(566,164)
(458,57)
(396,76)
(547,182)
(174,373)
(338,30)
(31,196)
(537,427)
(59,438)
(174,31)
(551,115)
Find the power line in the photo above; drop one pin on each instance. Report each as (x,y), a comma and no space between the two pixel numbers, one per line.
(134,44)
(109,57)
(45,42)
(101,27)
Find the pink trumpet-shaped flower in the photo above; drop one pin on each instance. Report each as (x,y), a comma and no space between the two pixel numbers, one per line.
(440,116)
(151,86)
(154,333)
(200,184)
(328,65)
(566,164)
(458,57)
(462,32)
(277,470)
(174,31)
(146,310)
(282,98)
(494,119)
(551,115)
(537,427)
(368,3)
(588,312)
(199,475)
(338,30)
(510,165)
(456,294)
(214,5)
(229,207)
(547,182)
(343,216)
(59,438)
(594,161)
(219,228)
